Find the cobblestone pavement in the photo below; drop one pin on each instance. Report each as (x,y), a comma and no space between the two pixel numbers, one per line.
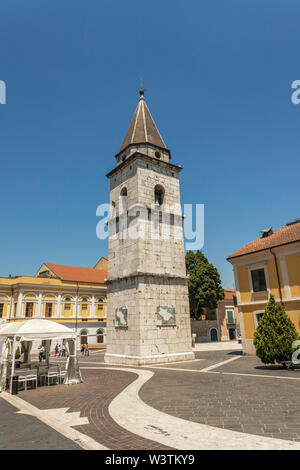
(256,405)
(19,432)
(252,365)
(268,406)
(92,399)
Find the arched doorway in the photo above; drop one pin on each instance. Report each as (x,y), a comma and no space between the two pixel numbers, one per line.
(84,337)
(213,334)
(100,336)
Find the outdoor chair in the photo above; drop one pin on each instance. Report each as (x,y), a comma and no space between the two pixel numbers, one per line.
(62,374)
(27,379)
(51,376)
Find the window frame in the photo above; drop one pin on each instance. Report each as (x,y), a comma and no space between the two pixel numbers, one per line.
(255,319)
(51,312)
(230,309)
(252,271)
(26,305)
(253,267)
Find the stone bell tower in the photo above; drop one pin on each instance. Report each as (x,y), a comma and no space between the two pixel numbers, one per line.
(148,318)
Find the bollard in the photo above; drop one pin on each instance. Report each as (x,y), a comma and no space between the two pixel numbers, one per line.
(15,383)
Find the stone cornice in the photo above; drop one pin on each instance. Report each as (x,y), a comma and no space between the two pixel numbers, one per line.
(147,274)
(137,155)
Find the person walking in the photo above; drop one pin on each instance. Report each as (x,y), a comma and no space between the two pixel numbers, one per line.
(56,350)
(59,351)
(82,349)
(63,350)
(86,352)
(41,353)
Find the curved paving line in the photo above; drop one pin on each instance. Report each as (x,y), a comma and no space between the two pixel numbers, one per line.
(56,419)
(130,412)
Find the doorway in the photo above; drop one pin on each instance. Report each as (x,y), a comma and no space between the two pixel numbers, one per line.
(213,334)
(232,333)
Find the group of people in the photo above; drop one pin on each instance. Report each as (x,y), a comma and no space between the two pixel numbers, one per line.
(85,350)
(60,350)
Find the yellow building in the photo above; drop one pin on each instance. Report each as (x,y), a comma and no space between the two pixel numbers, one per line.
(268,265)
(70,295)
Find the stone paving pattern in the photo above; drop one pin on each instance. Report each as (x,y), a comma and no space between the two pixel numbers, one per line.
(20,431)
(92,399)
(255,405)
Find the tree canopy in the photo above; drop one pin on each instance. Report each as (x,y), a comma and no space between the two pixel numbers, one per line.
(205,289)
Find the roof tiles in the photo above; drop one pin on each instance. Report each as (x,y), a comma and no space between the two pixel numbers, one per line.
(73,273)
(284,235)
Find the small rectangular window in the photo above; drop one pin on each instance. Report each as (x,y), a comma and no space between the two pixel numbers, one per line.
(258,280)
(1,310)
(230,316)
(67,307)
(29,309)
(48,310)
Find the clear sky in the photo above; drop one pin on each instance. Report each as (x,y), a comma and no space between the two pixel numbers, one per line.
(218,75)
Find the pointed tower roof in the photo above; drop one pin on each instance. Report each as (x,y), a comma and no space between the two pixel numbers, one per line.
(142,128)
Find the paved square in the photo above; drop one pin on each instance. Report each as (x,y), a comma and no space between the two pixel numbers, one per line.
(222,389)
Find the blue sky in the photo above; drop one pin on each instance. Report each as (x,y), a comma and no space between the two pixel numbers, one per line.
(218,75)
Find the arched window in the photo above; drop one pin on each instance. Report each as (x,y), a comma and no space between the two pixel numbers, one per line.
(123,200)
(100,304)
(67,306)
(159,195)
(113,209)
(100,335)
(84,303)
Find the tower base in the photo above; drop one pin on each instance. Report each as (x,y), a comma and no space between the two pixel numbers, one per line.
(120,359)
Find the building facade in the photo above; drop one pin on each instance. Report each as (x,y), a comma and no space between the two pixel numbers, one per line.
(220,324)
(148,318)
(73,296)
(268,265)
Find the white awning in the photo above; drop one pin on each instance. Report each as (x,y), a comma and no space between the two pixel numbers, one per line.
(35,329)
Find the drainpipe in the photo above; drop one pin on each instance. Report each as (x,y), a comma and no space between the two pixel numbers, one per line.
(76,307)
(11,304)
(278,278)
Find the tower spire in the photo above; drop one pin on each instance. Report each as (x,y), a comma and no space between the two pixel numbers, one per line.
(142,129)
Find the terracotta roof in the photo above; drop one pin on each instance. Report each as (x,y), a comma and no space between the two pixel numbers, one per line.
(229,294)
(288,234)
(142,128)
(73,273)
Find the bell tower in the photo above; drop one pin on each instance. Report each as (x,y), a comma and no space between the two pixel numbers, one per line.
(148,318)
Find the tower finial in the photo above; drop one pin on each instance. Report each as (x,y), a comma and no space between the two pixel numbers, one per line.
(142,89)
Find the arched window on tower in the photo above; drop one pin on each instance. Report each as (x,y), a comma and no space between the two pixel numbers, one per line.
(123,200)
(113,210)
(159,195)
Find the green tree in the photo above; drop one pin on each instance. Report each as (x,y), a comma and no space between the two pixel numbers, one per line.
(274,334)
(205,289)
